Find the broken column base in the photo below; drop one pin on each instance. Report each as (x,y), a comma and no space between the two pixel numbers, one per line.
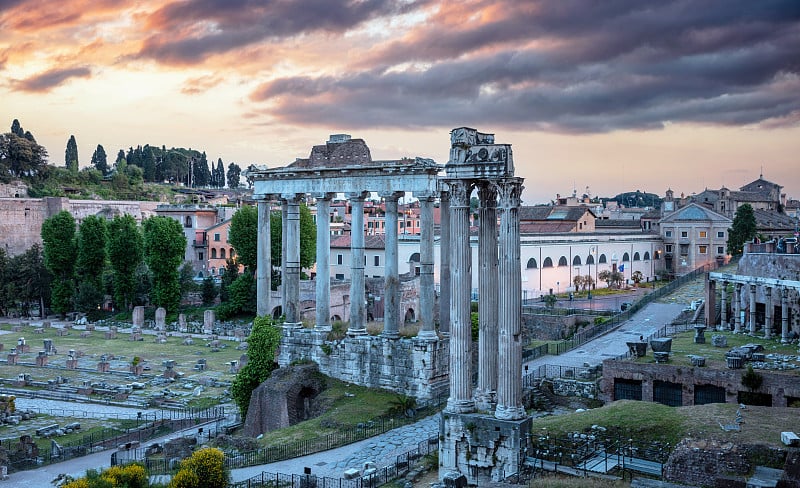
(482,448)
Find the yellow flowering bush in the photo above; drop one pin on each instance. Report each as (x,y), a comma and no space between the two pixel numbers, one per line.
(206,465)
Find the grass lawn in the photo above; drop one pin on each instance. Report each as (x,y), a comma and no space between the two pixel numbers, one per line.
(348,406)
(683,346)
(653,421)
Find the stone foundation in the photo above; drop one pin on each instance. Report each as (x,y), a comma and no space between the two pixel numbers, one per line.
(412,367)
(481,447)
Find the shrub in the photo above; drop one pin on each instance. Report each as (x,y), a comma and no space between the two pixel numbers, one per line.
(204,469)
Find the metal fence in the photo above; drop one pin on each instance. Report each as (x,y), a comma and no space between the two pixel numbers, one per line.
(379,477)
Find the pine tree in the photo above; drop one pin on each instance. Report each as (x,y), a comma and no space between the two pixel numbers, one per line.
(16,129)
(71,155)
(220,174)
(100,160)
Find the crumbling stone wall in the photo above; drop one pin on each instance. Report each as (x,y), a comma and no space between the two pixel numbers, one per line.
(286,398)
(412,367)
(552,327)
(699,462)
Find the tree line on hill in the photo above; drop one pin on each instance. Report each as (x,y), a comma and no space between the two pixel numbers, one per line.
(21,157)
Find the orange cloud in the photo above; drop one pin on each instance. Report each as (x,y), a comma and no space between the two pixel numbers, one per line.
(46,81)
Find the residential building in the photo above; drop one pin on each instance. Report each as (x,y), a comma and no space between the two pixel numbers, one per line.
(693,236)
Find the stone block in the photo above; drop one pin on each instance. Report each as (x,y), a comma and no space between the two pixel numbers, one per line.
(138,316)
(161,316)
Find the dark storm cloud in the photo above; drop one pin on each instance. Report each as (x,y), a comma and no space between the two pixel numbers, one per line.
(48,80)
(191,30)
(569,66)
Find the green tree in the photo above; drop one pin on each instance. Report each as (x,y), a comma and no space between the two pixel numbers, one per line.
(261,347)
(71,155)
(209,291)
(234,171)
(29,280)
(21,157)
(100,160)
(60,253)
(241,297)
(243,236)
(743,229)
(125,253)
(16,129)
(308,237)
(91,261)
(164,250)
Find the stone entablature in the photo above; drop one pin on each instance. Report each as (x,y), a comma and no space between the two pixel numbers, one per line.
(413,367)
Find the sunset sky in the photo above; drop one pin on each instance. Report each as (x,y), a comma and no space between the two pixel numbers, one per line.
(612,95)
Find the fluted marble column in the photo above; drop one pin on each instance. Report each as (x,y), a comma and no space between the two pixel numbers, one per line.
(487,292)
(769,309)
(357,305)
(391,307)
(444,262)
(323,283)
(737,308)
(752,309)
(264,260)
(509,384)
(724,306)
(785,315)
(291,281)
(427,290)
(460,400)
(284,221)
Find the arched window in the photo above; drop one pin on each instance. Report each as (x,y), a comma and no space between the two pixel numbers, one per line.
(213,253)
(626,257)
(414,257)
(646,256)
(222,253)
(636,256)
(532,264)
(576,261)
(187,221)
(589,259)
(548,263)
(602,259)
(562,261)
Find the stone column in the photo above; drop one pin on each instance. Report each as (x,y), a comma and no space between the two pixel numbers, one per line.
(427,297)
(784,315)
(460,400)
(769,308)
(487,293)
(752,309)
(291,281)
(264,260)
(357,309)
(444,262)
(724,306)
(391,303)
(711,305)
(323,281)
(509,385)
(284,220)
(737,308)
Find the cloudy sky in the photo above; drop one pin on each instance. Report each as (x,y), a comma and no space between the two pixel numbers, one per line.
(613,95)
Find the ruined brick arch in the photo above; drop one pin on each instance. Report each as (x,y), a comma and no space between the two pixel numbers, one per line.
(411,315)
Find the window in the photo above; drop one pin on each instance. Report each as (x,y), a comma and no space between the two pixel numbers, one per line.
(562,261)
(222,253)
(721,234)
(187,222)
(589,259)
(702,249)
(369,224)
(684,234)
(221,271)
(414,257)
(668,248)
(667,233)
(602,259)
(626,257)
(703,234)
(213,254)
(339,276)
(720,250)
(576,261)
(636,256)
(199,256)
(684,249)
(548,263)
(216,236)
(377,260)
(646,256)
(338,259)
(532,264)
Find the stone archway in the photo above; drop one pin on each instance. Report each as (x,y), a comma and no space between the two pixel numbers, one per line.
(411,316)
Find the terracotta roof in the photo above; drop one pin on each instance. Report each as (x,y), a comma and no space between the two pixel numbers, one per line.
(553,213)
(370,242)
